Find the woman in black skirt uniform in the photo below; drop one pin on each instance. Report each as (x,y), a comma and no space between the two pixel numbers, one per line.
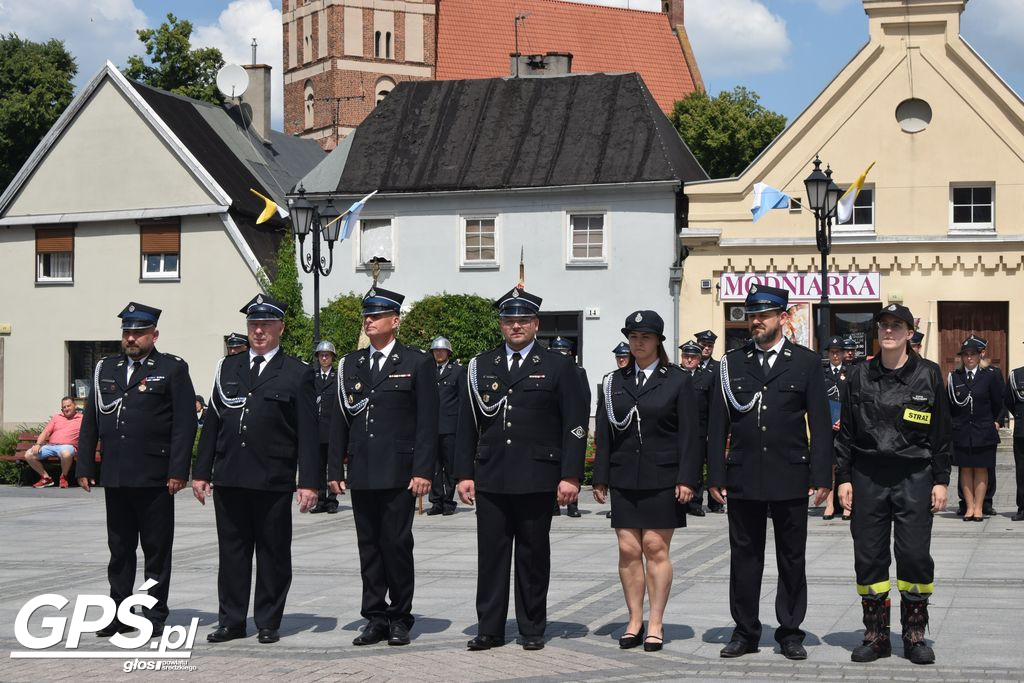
(976,395)
(647,452)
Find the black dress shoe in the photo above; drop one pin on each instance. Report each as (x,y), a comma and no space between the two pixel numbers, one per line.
(961,510)
(574,513)
(485,642)
(112,628)
(845,517)
(448,512)
(631,640)
(793,650)
(737,648)
(1019,517)
(988,511)
(224,634)
(332,507)
(158,629)
(398,634)
(653,643)
(979,519)
(269,635)
(696,512)
(827,518)
(318,508)
(435,511)
(532,642)
(374,632)
(718,510)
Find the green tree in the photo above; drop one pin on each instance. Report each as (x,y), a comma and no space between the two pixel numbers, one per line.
(726,132)
(297,339)
(341,321)
(174,65)
(468,321)
(35,89)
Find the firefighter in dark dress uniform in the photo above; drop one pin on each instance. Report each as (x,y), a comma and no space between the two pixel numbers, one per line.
(892,469)
(706,339)
(976,396)
(451,376)
(769,394)
(623,357)
(520,447)
(1014,403)
(835,378)
(325,383)
(142,408)
(387,426)
(260,428)
(702,381)
(567,348)
(235,342)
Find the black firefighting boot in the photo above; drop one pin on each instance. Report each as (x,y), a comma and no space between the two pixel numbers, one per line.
(914,618)
(876,629)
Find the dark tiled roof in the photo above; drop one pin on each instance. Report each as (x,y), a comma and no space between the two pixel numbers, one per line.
(238,160)
(516,133)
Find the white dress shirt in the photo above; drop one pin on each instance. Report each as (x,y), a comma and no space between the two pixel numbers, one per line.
(523,353)
(777,348)
(266,357)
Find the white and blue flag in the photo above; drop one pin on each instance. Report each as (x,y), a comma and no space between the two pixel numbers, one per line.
(767,198)
(352,216)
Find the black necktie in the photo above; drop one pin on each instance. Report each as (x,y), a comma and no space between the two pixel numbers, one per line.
(136,366)
(254,371)
(517,360)
(641,379)
(970,377)
(375,363)
(766,364)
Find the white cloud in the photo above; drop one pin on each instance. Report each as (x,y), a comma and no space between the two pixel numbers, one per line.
(736,37)
(236,26)
(92,30)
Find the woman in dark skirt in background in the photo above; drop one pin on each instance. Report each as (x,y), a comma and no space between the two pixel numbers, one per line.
(976,398)
(648,453)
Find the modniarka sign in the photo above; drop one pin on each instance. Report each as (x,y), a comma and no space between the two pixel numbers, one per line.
(804,286)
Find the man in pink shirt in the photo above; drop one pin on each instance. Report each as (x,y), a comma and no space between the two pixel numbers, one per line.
(58,439)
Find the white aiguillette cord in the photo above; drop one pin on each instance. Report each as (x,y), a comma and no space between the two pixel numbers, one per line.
(623,424)
(728,395)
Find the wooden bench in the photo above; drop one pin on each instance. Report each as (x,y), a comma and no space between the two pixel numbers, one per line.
(27,440)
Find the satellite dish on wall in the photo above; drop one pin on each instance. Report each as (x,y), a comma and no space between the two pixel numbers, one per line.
(232,80)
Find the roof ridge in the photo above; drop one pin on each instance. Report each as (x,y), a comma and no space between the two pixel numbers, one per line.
(601,7)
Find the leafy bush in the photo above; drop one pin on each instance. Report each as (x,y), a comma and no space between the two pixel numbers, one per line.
(10,472)
(297,339)
(341,321)
(468,321)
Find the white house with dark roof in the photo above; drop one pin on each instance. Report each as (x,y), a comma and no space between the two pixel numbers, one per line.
(134,194)
(583,174)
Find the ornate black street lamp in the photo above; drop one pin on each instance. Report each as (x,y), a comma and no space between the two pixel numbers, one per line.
(823,198)
(324,222)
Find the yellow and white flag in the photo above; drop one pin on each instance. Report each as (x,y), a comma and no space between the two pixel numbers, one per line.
(844,211)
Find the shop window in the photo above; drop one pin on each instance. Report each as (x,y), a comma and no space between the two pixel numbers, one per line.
(55,255)
(82,359)
(479,241)
(972,208)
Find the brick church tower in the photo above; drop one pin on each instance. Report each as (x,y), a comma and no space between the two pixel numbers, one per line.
(342,57)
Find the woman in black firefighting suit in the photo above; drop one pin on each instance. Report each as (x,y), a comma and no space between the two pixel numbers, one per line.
(892,468)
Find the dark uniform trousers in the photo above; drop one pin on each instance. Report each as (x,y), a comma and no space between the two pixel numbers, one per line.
(517,524)
(248,520)
(517,457)
(140,515)
(146,439)
(252,454)
(392,439)
(1018,462)
(899,489)
(442,491)
(747,535)
(769,467)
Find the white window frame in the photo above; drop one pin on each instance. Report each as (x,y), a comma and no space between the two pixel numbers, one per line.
(479,264)
(48,279)
(587,262)
(860,228)
(357,252)
(162,274)
(972,228)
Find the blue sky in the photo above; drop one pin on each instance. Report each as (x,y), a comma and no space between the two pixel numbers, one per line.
(785,50)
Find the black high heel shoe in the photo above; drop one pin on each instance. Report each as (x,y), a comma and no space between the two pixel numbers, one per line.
(631,640)
(653,647)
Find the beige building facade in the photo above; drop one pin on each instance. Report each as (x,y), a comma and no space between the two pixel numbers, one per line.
(119,204)
(938,226)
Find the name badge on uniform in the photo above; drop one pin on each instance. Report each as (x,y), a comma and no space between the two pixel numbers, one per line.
(917,416)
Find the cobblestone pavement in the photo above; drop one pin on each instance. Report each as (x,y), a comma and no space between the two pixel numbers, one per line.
(54,541)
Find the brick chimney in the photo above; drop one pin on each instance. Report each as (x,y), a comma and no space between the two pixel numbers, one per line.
(257,99)
(674,10)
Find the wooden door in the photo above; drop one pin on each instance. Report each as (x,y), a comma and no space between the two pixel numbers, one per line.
(960,319)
